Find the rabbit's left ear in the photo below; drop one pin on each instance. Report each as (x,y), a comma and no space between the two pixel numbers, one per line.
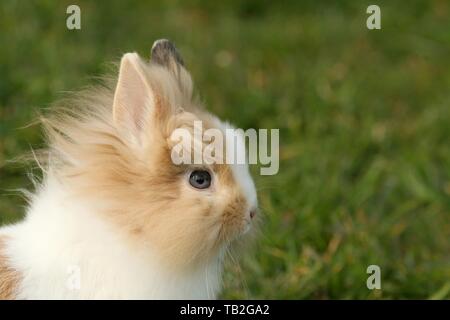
(134,98)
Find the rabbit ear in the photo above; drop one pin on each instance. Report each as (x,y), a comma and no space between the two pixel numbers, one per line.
(133,97)
(165,54)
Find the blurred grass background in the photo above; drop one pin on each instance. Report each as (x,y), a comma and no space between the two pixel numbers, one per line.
(364,120)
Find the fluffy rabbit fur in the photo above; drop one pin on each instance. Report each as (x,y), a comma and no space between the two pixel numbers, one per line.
(113,217)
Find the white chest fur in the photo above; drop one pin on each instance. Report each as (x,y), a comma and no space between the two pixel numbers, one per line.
(63,250)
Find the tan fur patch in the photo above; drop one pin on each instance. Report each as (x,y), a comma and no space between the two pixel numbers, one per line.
(9,278)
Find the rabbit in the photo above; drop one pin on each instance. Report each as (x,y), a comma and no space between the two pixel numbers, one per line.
(113,217)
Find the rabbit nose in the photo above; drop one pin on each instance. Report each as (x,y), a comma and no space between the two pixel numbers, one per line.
(252,213)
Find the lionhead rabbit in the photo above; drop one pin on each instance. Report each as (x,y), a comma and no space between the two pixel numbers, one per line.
(114,217)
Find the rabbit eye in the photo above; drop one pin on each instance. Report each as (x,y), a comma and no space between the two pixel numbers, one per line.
(200,179)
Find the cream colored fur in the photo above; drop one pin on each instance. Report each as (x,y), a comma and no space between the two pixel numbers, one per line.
(113,213)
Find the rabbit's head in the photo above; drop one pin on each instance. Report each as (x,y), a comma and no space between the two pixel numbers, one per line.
(183,212)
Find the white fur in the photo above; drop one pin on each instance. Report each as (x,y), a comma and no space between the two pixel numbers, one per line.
(60,236)
(64,234)
(240,171)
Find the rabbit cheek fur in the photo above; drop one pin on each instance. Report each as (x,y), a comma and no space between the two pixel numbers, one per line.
(114,217)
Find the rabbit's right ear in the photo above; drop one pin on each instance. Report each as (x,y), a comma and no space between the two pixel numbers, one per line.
(134,98)
(165,54)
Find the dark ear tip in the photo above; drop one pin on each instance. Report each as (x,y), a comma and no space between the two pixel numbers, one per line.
(161,43)
(163,50)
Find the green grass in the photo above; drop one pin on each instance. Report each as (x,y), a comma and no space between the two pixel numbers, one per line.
(364,120)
